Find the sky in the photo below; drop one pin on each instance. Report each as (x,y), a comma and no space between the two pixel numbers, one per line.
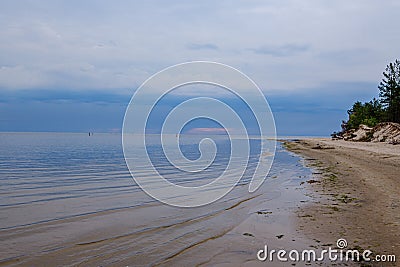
(72,66)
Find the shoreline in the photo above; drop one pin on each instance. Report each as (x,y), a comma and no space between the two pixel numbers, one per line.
(356,192)
(297,208)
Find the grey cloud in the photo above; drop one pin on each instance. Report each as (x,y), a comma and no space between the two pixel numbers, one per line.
(207,46)
(282,51)
(354,56)
(102,44)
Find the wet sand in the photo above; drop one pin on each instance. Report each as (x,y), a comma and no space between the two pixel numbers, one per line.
(356,192)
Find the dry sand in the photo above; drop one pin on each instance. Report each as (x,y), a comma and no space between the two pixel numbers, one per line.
(356,192)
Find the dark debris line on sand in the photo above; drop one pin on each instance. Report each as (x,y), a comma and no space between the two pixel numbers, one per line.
(348,201)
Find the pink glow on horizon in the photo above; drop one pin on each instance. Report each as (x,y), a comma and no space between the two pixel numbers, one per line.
(206,130)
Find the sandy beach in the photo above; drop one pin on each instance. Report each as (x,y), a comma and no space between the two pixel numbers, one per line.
(356,192)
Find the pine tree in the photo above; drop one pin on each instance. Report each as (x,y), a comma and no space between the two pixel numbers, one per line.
(390,91)
(368,113)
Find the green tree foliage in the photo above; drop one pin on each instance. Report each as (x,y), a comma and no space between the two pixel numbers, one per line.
(374,111)
(389,91)
(369,113)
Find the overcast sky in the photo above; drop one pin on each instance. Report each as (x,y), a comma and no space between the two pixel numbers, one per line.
(73,65)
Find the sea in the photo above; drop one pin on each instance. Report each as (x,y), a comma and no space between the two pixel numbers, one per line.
(69,199)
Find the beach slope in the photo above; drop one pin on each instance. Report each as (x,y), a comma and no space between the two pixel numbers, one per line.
(356,192)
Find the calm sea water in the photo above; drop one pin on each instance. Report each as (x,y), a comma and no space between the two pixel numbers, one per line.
(67,189)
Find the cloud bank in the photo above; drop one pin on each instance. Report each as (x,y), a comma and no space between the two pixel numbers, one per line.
(99,52)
